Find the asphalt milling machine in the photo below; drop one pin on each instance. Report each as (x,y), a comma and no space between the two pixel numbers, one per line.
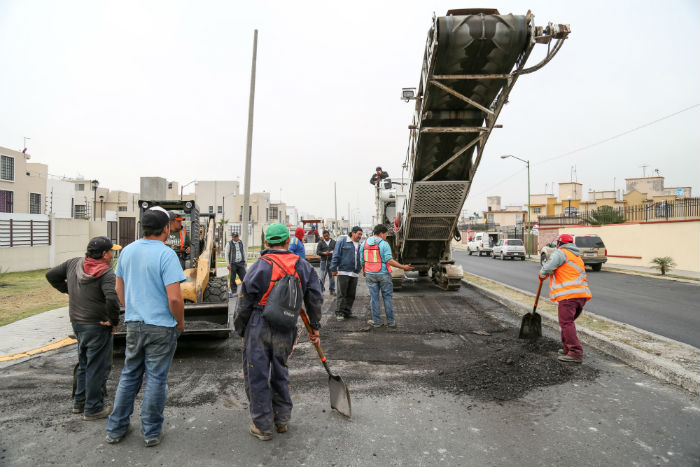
(205,294)
(472,59)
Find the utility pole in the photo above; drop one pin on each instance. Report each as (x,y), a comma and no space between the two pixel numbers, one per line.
(335,203)
(249,146)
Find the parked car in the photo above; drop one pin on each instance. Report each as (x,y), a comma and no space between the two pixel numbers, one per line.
(482,243)
(593,251)
(509,248)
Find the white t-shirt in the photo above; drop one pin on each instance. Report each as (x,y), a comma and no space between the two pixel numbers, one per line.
(350,273)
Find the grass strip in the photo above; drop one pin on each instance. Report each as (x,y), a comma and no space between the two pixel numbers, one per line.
(27,293)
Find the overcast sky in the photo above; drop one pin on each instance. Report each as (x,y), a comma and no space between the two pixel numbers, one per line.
(122,89)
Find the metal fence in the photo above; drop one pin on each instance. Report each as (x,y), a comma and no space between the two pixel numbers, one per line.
(687,208)
(15,232)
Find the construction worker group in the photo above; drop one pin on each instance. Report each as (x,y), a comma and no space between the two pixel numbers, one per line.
(147,283)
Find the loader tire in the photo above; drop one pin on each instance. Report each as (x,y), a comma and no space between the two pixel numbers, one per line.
(216,291)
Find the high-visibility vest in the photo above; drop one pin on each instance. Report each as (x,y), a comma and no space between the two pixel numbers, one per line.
(372,258)
(569,279)
(288,261)
(183,233)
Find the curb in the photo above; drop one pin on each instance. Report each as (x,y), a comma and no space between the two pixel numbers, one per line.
(653,365)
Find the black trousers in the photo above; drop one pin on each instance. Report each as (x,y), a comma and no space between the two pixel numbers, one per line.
(346,286)
(239,269)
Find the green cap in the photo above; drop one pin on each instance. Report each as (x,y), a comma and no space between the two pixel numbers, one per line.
(276,233)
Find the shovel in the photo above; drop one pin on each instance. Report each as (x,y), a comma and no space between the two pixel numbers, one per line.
(531,326)
(340,395)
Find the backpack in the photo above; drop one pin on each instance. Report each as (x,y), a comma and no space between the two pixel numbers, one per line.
(283,300)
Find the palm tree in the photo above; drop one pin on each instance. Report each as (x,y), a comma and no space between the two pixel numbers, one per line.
(663,264)
(605,215)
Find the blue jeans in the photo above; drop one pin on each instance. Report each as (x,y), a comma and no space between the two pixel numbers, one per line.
(94,364)
(326,271)
(265,355)
(149,351)
(381,283)
(236,269)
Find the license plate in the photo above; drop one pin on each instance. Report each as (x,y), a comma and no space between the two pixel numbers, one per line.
(590,254)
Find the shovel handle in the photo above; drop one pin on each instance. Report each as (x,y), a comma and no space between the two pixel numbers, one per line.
(537,297)
(305,319)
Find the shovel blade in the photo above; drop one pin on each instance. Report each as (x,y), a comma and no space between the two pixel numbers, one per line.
(531,326)
(340,395)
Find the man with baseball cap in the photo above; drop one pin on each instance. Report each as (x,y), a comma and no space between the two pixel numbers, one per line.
(235,261)
(265,347)
(148,284)
(179,238)
(93,308)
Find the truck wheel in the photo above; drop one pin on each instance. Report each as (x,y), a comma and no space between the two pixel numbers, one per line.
(216,291)
(502,257)
(596,267)
(522,258)
(469,251)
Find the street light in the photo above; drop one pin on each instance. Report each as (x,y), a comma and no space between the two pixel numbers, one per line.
(183,187)
(102,207)
(95,184)
(529,204)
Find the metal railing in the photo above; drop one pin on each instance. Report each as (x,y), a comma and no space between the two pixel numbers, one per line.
(15,232)
(687,208)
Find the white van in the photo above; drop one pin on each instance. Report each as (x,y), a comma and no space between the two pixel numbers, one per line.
(483,242)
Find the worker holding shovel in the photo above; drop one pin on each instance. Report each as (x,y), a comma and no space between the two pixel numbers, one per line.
(268,338)
(568,287)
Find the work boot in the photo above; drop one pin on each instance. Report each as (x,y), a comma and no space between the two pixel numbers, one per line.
(149,443)
(281,428)
(332,292)
(569,359)
(116,440)
(78,407)
(561,352)
(261,435)
(104,413)
(339,317)
(392,324)
(373,324)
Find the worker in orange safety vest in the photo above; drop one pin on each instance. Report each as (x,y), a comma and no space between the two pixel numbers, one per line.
(568,288)
(179,239)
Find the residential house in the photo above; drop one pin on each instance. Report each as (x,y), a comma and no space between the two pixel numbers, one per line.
(22,183)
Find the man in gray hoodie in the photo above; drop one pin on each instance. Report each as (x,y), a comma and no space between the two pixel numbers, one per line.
(93,308)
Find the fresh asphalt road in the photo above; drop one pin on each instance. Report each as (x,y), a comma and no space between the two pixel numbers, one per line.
(665,307)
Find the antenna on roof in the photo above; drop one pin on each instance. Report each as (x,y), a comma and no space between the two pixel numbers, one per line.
(644,170)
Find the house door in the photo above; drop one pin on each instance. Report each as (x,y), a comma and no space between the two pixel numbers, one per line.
(127,230)
(112,231)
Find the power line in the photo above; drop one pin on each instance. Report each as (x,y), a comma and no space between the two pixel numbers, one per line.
(597,143)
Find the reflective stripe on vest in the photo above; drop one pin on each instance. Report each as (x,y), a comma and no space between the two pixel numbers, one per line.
(569,279)
(373,259)
(182,238)
(288,261)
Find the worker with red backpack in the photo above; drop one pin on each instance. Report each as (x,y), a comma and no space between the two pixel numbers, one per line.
(376,259)
(268,307)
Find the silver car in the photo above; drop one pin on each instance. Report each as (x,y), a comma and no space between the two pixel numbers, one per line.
(509,248)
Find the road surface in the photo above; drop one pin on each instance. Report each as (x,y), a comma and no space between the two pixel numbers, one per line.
(665,307)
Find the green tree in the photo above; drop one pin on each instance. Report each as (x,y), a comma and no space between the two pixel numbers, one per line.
(663,264)
(605,215)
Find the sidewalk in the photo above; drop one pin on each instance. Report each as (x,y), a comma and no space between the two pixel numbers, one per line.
(40,330)
(33,332)
(675,272)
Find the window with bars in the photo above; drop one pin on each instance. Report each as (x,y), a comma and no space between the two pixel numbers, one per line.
(274,212)
(219,209)
(6,201)
(80,187)
(80,211)
(211,209)
(7,168)
(34,203)
(122,208)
